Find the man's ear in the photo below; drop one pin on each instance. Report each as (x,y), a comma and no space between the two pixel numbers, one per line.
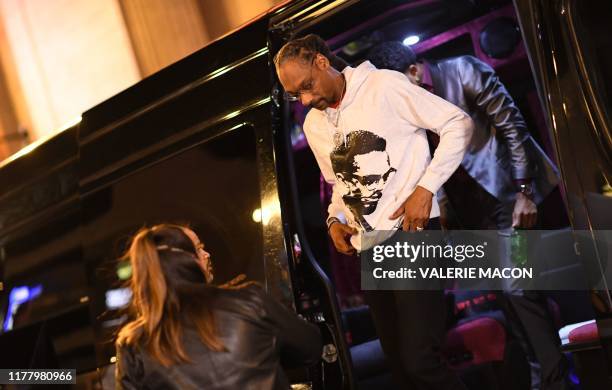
(412,70)
(321,61)
(412,73)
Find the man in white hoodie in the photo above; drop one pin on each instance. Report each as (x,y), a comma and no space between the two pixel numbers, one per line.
(367,132)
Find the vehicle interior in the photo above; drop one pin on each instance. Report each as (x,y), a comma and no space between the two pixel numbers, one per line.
(479,344)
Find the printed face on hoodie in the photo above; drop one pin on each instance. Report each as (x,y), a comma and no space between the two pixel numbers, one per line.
(313,84)
(362,167)
(365,186)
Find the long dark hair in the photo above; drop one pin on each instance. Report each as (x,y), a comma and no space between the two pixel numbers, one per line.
(168,290)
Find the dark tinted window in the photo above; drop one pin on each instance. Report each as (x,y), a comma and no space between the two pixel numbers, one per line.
(592,22)
(43,271)
(214,187)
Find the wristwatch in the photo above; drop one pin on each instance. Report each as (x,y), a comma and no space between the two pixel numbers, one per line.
(527,190)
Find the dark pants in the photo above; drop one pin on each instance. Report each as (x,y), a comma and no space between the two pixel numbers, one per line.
(411,328)
(471,207)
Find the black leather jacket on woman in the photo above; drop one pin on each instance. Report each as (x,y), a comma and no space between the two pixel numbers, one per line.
(260,335)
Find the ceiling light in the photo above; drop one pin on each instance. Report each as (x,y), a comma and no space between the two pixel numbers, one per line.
(411,40)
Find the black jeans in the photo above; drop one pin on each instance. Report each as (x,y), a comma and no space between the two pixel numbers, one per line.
(411,328)
(530,322)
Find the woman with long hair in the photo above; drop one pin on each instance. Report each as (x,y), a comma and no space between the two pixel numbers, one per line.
(187,333)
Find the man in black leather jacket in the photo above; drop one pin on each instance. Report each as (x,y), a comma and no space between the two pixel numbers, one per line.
(503,176)
(254,328)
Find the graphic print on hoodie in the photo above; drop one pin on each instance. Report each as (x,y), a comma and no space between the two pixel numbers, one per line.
(362,167)
(380,124)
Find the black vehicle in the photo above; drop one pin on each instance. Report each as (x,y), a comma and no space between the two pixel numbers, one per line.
(209,140)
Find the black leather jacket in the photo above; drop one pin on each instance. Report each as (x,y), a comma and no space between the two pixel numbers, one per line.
(260,334)
(501,149)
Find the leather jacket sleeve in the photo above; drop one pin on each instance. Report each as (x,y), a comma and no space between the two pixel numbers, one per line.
(299,341)
(487,94)
(128,369)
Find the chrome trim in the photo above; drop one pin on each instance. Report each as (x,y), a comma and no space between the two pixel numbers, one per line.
(35,144)
(323,10)
(173,95)
(315,12)
(305,10)
(171,140)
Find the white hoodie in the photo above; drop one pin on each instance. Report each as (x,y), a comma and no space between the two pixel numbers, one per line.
(378,145)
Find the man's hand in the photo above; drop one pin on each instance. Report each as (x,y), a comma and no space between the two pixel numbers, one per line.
(525,212)
(415,209)
(340,234)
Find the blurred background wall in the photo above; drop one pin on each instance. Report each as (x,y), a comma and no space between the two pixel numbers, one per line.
(60,57)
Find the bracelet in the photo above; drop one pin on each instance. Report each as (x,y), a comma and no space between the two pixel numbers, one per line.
(331,221)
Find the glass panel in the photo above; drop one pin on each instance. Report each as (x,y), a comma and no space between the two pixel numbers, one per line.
(214,187)
(592,20)
(43,271)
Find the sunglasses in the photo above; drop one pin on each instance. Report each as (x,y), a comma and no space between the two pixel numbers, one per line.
(307,86)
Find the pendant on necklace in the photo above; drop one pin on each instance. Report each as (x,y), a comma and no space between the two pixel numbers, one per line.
(338,138)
